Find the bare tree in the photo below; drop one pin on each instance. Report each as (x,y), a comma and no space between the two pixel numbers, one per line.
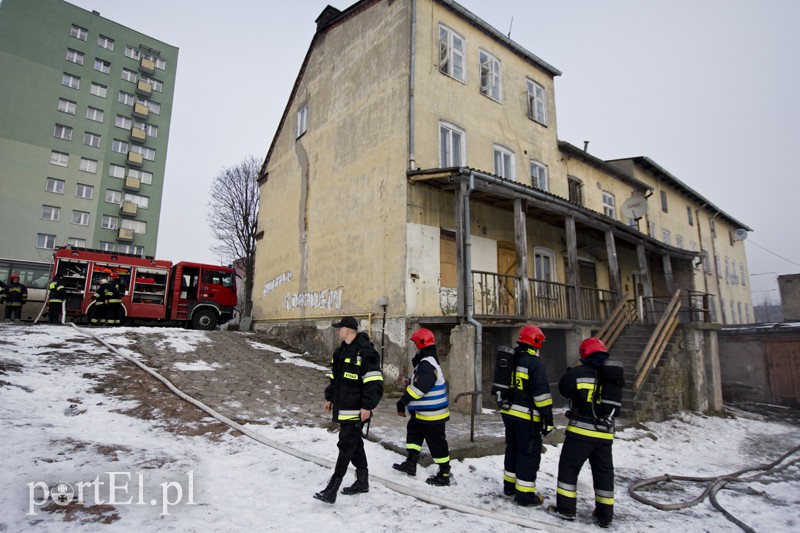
(233,218)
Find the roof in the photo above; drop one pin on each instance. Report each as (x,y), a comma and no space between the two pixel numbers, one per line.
(596,162)
(660,172)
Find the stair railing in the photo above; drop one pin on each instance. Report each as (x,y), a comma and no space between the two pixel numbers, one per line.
(658,342)
(617,320)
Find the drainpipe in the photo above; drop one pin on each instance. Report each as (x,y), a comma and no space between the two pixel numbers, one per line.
(412,164)
(718,272)
(477,399)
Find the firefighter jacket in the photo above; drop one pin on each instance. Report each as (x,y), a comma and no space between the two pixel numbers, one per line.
(426,394)
(57,292)
(579,384)
(14,294)
(113,292)
(530,388)
(356,381)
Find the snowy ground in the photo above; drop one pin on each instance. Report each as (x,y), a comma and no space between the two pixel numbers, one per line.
(58,430)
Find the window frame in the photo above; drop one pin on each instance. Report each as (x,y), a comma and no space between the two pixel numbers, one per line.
(508,157)
(111,193)
(67,106)
(45,241)
(51,213)
(71,81)
(536,180)
(609,204)
(493,72)
(61,156)
(92,114)
(90,164)
(576,184)
(109,222)
(537,103)
(664,204)
(58,185)
(91,139)
(450,54)
(75,56)
(82,218)
(541,286)
(100,89)
(63,132)
(447,151)
(302,120)
(104,66)
(82,34)
(84,187)
(106,43)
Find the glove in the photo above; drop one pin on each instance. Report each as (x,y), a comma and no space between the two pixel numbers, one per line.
(401,408)
(547,427)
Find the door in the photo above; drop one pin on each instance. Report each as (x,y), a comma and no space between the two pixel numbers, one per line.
(507,287)
(218,286)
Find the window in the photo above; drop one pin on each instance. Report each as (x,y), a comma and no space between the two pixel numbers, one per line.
(152,131)
(80,218)
(45,241)
(105,42)
(113,197)
(66,106)
(51,212)
(154,107)
(109,222)
(123,122)
(537,102)
(666,236)
(132,52)
(121,147)
(651,229)
(102,66)
(91,139)
(63,132)
(161,64)
(543,262)
(136,225)
(157,85)
(706,260)
(78,243)
(75,56)
(131,249)
(71,81)
(107,246)
(575,186)
(490,75)
(54,185)
(503,162)
(679,241)
(609,205)
(142,201)
(727,269)
(84,191)
(741,274)
(664,202)
(98,90)
(451,53)
(126,98)
(689,214)
(302,120)
(59,158)
(147,153)
(116,171)
(128,75)
(92,113)
(144,177)
(718,265)
(78,32)
(538,175)
(452,149)
(88,165)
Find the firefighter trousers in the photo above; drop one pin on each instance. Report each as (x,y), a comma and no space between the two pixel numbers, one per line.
(523,455)
(351,448)
(434,434)
(574,454)
(54,312)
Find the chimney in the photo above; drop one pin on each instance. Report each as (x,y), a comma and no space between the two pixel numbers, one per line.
(585,146)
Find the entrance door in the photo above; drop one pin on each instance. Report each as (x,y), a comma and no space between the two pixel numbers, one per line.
(587,280)
(507,288)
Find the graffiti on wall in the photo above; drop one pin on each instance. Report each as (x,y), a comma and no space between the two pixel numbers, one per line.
(277,281)
(324,299)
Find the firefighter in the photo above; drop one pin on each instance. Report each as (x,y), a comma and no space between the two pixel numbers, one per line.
(428,407)
(114,290)
(57,296)
(355,388)
(14,294)
(99,308)
(527,418)
(588,436)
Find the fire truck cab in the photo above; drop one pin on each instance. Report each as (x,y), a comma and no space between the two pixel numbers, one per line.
(190,294)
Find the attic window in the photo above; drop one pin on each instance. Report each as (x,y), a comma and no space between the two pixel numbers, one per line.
(302,120)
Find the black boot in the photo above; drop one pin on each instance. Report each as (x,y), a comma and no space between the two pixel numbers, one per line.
(328,494)
(409,466)
(442,477)
(361,484)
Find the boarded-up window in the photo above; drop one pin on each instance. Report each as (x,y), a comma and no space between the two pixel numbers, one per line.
(447,261)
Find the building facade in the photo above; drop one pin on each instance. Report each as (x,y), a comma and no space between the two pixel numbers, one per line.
(85,106)
(417,179)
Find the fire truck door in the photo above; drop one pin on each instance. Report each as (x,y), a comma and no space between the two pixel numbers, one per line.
(218,286)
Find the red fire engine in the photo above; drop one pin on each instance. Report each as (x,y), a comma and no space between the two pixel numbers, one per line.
(190,294)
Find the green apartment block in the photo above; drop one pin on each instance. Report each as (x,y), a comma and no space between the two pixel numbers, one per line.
(85,106)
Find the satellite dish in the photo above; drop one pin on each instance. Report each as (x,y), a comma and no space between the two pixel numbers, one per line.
(635,207)
(740,234)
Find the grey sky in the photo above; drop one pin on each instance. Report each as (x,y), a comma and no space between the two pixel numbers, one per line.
(708,89)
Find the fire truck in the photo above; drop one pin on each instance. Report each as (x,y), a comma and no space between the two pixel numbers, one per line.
(185,293)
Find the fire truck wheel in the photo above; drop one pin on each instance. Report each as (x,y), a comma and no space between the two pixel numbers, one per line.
(205,319)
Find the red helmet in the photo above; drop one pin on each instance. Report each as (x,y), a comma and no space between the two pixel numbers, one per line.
(423,337)
(14,277)
(590,346)
(532,336)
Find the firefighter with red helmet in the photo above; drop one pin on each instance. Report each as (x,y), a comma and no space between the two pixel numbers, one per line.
(589,434)
(527,417)
(426,400)
(114,290)
(14,294)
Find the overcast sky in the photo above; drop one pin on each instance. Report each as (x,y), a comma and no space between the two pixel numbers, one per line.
(708,89)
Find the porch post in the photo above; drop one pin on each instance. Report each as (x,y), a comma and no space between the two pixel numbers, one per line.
(521,242)
(613,265)
(644,270)
(572,269)
(461,276)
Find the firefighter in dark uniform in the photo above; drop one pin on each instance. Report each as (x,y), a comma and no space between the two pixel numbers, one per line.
(14,294)
(526,419)
(114,290)
(56,296)
(356,387)
(589,435)
(429,408)
(99,309)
